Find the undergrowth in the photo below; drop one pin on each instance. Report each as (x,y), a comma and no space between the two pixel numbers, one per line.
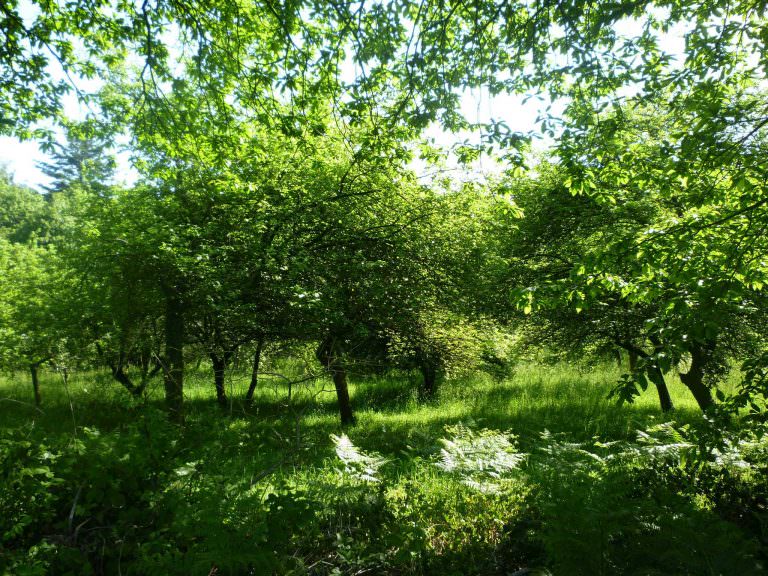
(537,474)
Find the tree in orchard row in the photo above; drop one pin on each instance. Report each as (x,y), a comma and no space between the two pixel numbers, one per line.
(651,259)
(239,248)
(558,232)
(31,282)
(29,330)
(41,292)
(31,323)
(119,307)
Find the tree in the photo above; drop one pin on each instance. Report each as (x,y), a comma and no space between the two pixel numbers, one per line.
(700,260)
(29,282)
(30,332)
(631,262)
(117,305)
(82,160)
(23,213)
(544,250)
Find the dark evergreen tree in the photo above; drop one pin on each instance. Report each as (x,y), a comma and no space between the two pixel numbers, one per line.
(83,160)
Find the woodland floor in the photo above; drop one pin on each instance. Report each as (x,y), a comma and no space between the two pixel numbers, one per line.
(538,473)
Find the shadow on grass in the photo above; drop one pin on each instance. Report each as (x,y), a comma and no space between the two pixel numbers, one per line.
(276,440)
(386,407)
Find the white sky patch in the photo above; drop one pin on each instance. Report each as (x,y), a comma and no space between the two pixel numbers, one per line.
(20,158)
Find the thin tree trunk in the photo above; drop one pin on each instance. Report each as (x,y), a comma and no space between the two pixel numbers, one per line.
(254,372)
(339,375)
(35,383)
(654,374)
(428,369)
(174,352)
(429,381)
(219,370)
(328,355)
(657,377)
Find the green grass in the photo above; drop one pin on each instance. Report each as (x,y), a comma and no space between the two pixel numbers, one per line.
(260,490)
(561,398)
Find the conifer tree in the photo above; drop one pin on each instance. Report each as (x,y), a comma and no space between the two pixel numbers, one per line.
(83,159)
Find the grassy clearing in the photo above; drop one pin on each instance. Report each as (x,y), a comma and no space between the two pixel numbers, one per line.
(562,397)
(263,491)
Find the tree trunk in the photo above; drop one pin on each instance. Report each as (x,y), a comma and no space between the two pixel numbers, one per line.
(694,378)
(339,375)
(219,370)
(654,374)
(428,369)
(429,383)
(254,372)
(35,383)
(328,355)
(174,353)
(632,360)
(118,373)
(657,377)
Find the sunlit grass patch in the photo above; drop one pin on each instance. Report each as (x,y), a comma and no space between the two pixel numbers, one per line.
(539,471)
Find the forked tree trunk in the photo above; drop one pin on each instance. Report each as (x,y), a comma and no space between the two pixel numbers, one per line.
(174,353)
(254,372)
(136,390)
(694,378)
(35,382)
(329,355)
(118,373)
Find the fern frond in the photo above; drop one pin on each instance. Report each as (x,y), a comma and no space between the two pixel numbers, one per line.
(357,464)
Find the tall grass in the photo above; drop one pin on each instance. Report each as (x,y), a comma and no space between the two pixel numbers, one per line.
(274,469)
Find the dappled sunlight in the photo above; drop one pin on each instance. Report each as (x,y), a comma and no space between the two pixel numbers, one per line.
(466,477)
